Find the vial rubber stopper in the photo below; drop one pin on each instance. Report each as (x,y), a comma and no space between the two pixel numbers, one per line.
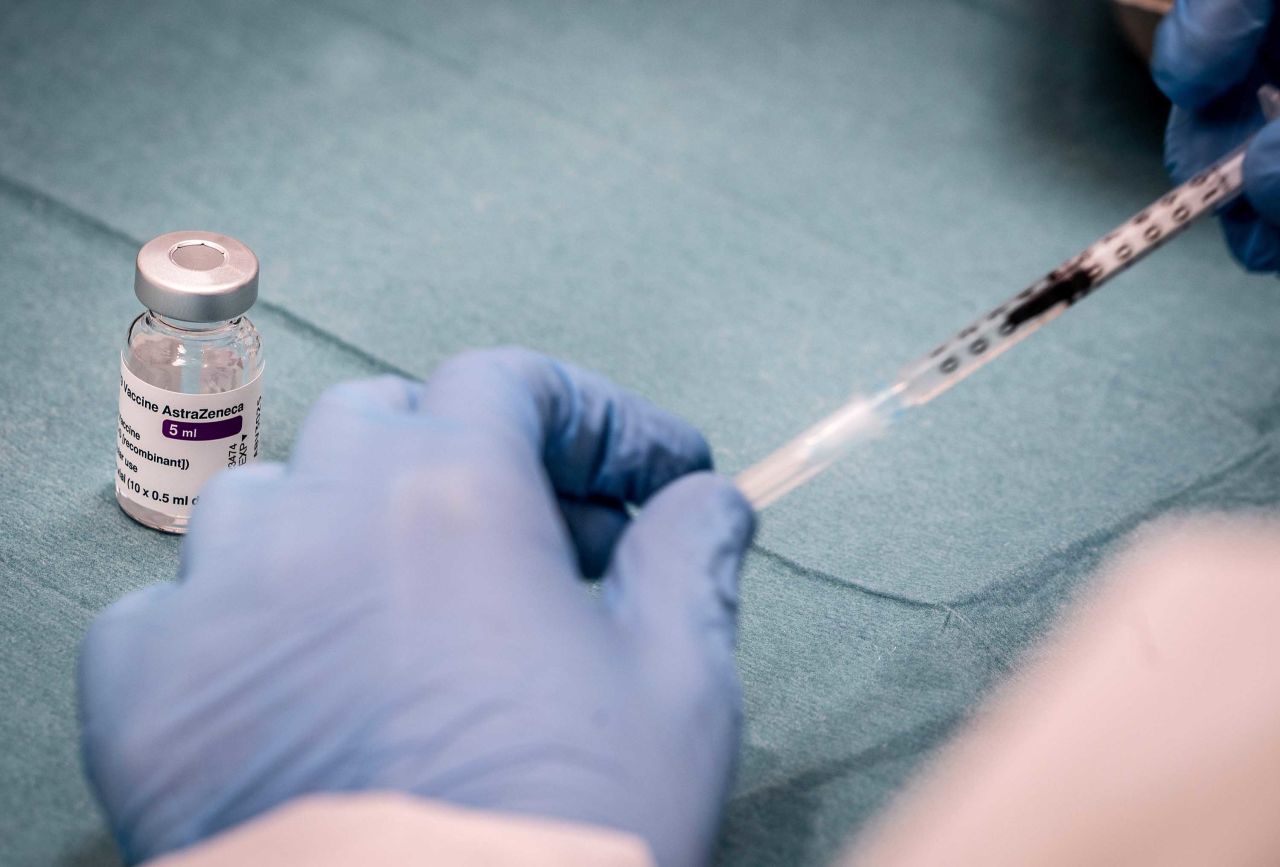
(196,276)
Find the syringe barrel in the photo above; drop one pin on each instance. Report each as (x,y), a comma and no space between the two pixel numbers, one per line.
(818,447)
(987,337)
(1040,303)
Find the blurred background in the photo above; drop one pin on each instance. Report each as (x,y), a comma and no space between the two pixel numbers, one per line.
(1138,20)
(742,209)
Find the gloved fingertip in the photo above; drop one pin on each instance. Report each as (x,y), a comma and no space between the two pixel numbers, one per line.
(109,649)
(636,448)
(1193,141)
(236,485)
(1262,172)
(138,603)
(596,438)
(1178,71)
(1254,242)
(1167,59)
(386,393)
(226,501)
(711,504)
(725,503)
(678,561)
(1203,50)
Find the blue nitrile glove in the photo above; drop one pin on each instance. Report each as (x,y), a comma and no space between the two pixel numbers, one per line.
(401,608)
(1211,56)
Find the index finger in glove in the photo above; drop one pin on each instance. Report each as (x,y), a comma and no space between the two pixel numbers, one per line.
(1205,47)
(358,423)
(594,439)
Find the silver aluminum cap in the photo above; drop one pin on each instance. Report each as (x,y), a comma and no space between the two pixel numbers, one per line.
(196,276)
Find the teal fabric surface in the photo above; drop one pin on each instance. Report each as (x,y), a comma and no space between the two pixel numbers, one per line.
(742,210)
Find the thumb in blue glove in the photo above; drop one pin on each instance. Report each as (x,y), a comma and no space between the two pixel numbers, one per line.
(401,608)
(1210,58)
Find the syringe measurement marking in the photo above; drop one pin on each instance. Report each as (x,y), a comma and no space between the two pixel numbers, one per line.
(919,382)
(1074,280)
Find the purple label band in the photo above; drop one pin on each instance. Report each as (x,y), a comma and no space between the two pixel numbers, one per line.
(202,430)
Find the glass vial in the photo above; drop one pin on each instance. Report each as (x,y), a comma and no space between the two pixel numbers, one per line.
(190,375)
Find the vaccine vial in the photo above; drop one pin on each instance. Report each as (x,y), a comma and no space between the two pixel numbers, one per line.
(190,375)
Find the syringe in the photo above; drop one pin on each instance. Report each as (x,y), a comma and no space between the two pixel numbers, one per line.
(976,344)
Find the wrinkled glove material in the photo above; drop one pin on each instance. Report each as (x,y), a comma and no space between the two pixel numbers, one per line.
(1210,58)
(401,607)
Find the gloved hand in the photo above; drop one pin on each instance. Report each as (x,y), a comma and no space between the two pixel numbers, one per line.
(401,608)
(1211,56)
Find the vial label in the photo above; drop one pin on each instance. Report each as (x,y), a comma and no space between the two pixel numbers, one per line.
(168,444)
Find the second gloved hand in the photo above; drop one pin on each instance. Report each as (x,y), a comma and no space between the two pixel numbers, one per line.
(1211,56)
(401,608)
